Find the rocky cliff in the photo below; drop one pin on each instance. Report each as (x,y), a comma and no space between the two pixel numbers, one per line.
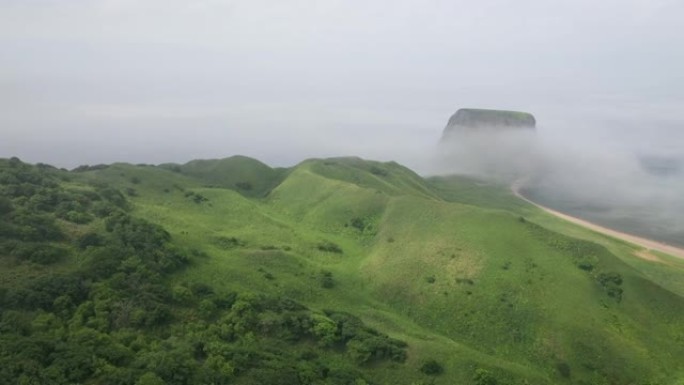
(467,119)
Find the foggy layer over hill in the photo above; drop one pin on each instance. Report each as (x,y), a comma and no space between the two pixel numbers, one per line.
(111,81)
(615,176)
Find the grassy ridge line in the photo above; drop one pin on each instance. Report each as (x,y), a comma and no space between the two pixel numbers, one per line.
(390,177)
(590,293)
(299,192)
(223,211)
(372,269)
(248,176)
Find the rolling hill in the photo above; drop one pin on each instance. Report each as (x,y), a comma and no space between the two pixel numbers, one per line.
(334,271)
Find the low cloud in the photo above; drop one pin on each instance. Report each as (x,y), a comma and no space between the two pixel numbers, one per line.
(604,174)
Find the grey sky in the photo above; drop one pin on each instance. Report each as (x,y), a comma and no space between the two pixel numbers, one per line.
(170,80)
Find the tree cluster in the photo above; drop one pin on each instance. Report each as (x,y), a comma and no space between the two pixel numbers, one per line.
(110,314)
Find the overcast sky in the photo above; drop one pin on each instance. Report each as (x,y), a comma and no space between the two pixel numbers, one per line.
(93,81)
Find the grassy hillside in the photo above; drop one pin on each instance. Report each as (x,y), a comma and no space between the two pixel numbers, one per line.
(334,271)
(245,175)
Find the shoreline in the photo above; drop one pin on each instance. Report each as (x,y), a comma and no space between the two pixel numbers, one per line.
(647,244)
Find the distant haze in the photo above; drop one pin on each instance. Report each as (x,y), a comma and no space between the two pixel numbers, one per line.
(97,81)
(639,190)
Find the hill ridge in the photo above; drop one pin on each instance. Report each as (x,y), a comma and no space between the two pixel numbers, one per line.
(479,285)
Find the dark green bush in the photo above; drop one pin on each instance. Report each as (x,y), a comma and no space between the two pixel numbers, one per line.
(375,170)
(227,242)
(103,209)
(329,247)
(611,284)
(5,206)
(563,369)
(113,196)
(326,279)
(86,167)
(78,217)
(484,377)
(89,239)
(200,289)
(432,368)
(41,253)
(365,345)
(358,224)
(30,226)
(196,197)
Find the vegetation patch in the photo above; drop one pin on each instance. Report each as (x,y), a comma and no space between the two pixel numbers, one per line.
(227,243)
(196,197)
(432,368)
(326,279)
(329,247)
(585,255)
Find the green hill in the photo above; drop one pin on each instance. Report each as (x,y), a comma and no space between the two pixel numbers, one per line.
(248,176)
(335,271)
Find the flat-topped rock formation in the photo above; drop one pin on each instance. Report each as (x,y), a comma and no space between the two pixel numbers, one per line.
(470,119)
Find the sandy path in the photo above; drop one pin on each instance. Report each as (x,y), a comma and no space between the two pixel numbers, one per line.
(648,244)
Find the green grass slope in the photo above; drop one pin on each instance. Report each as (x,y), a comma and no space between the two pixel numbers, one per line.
(248,176)
(479,287)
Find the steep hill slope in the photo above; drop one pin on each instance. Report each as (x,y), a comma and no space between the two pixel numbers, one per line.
(441,280)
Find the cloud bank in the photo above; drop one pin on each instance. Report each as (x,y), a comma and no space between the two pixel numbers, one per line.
(92,81)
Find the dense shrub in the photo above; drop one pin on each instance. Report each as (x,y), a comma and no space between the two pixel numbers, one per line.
(89,239)
(330,247)
(375,170)
(326,279)
(196,197)
(611,283)
(358,224)
(29,226)
(5,205)
(84,168)
(365,344)
(431,368)
(78,217)
(113,196)
(201,289)
(563,369)
(39,252)
(227,242)
(484,377)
